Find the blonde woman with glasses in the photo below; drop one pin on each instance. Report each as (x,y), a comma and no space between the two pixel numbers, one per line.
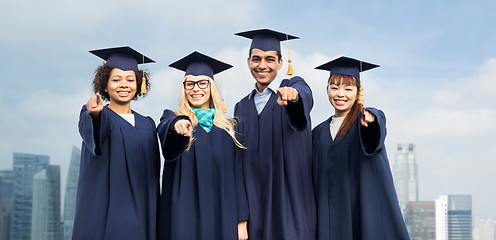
(203,194)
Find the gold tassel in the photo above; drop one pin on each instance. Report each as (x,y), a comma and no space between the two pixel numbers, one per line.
(290,68)
(143,84)
(361,97)
(224,109)
(143,79)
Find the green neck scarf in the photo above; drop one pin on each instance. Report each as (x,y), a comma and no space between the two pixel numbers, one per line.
(205,117)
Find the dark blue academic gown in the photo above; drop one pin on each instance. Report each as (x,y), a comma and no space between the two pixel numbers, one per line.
(118,178)
(202,192)
(354,188)
(277,165)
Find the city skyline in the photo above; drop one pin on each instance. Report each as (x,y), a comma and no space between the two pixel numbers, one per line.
(31,198)
(419,216)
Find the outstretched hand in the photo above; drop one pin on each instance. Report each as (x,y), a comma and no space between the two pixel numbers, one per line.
(95,105)
(285,95)
(366,117)
(184,127)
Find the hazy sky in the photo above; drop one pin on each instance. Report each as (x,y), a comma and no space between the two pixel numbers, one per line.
(436,83)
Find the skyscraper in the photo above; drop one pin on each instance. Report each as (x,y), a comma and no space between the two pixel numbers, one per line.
(5,220)
(45,220)
(5,185)
(420,220)
(70,192)
(405,174)
(454,217)
(485,230)
(5,196)
(25,166)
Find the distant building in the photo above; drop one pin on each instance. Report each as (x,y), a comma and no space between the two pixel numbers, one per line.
(70,192)
(5,220)
(484,230)
(5,196)
(404,170)
(25,166)
(420,219)
(454,217)
(5,185)
(45,220)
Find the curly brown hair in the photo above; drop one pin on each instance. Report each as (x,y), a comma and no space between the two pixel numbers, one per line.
(102,75)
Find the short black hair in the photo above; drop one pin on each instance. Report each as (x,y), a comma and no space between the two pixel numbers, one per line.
(279,55)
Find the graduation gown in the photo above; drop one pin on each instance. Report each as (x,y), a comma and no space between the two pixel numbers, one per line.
(354,187)
(201,189)
(118,184)
(277,165)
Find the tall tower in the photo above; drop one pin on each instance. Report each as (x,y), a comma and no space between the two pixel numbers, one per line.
(5,196)
(454,217)
(45,220)
(25,166)
(70,192)
(405,174)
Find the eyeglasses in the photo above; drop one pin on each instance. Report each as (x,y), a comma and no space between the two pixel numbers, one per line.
(202,84)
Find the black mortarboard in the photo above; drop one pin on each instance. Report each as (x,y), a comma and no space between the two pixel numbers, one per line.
(124,58)
(199,64)
(266,39)
(346,66)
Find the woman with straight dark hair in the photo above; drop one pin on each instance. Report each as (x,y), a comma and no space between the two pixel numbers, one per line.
(353,184)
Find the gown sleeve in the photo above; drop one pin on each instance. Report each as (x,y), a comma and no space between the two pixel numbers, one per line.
(94,133)
(299,111)
(171,142)
(241,197)
(372,137)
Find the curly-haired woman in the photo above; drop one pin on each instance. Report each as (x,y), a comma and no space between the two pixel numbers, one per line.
(118,183)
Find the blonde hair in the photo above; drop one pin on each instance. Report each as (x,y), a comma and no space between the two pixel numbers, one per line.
(220,120)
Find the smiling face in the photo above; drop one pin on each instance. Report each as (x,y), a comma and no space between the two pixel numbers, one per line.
(343,93)
(264,66)
(121,86)
(199,95)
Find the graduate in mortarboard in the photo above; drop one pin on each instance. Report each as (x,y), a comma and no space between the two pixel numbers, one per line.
(203,195)
(118,186)
(274,126)
(354,187)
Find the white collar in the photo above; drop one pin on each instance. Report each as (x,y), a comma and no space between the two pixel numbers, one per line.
(273,86)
